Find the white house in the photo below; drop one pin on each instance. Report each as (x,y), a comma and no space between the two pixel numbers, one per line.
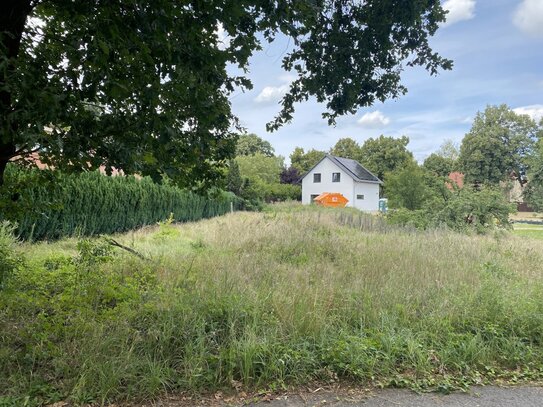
(343,175)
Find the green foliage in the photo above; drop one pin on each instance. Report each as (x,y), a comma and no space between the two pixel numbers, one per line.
(281,192)
(418,218)
(251,144)
(261,176)
(303,161)
(260,167)
(499,143)
(478,209)
(421,199)
(56,300)
(533,193)
(385,154)
(466,209)
(129,93)
(406,188)
(8,257)
(91,203)
(261,301)
(347,148)
(18,184)
(439,165)
(234,182)
(92,252)
(258,190)
(145,87)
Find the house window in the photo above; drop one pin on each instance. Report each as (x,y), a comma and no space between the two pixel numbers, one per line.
(336,177)
(314,196)
(316,177)
(360,197)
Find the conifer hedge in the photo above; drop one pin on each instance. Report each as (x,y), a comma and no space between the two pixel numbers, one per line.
(91,203)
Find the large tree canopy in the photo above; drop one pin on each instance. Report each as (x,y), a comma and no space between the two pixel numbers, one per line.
(142,85)
(385,154)
(251,144)
(346,148)
(499,142)
(303,161)
(439,165)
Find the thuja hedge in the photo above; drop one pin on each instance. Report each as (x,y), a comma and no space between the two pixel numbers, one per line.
(55,205)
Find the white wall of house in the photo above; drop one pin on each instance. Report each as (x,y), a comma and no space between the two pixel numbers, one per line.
(370,194)
(346,186)
(326,167)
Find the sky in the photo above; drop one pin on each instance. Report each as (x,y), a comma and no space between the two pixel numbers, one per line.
(497,49)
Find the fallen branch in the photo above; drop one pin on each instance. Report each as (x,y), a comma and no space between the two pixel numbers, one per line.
(113,242)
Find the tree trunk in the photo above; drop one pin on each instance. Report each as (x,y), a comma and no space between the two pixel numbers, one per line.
(13,15)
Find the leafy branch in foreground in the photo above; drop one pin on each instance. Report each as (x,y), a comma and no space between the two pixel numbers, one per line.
(143,86)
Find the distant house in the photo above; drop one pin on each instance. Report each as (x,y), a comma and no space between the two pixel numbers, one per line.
(513,188)
(33,159)
(456,178)
(345,176)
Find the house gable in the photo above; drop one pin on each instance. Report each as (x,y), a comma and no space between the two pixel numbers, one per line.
(353,168)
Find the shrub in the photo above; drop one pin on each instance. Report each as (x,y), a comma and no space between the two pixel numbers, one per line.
(481,210)
(464,209)
(282,192)
(8,257)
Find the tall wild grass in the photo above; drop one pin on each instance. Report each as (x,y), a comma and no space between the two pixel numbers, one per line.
(269,300)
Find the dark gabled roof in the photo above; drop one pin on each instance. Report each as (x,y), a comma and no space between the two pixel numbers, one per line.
(352,167)
(357,171)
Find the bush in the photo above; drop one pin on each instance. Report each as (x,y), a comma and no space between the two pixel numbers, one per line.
(282,192)
(480,210)
(8,257)
(404,217)
(462,210)
(91,203)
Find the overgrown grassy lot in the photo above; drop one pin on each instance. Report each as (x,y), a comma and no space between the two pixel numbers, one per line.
(268,300)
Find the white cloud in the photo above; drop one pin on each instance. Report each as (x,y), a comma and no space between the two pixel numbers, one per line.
(459,10)
(534,111)
(271,94)
(529,17)
(373,120)
(223,37)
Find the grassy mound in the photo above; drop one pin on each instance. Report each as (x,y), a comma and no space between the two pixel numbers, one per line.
(267,300)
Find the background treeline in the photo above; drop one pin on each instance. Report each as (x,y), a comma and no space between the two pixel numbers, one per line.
(50,205)
(257,175)
(498,164)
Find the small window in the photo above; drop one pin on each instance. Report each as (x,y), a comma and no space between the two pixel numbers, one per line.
(314,196)
(336,177)
(360,197)
(316,177)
